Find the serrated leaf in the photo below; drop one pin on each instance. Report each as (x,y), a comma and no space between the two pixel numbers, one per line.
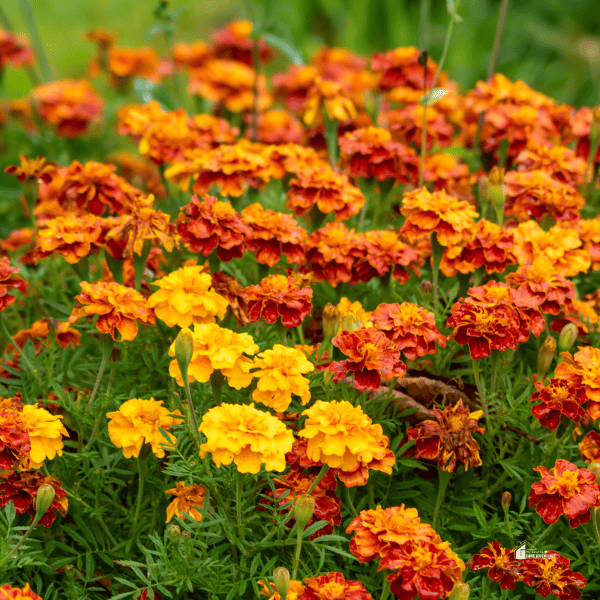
(11,512)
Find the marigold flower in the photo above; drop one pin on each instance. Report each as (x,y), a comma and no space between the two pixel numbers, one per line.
(208,224)
(126,63)
(560,162)
(40,330)
(334,585)
(279,372)
(9,279)
(45,434)
(188,499)
(22,487)
(273,234)
(341,435)
(589,234)
(558,397)
(15,51)
(15,445)
(275,127)
(411,328)
(248,437)
(72,106)
(445,172)
(294,592)
(7,592)
(138,422)
(278,296)
(220,349)
(230,288)
(567,490)
(453,220)
(354,309)
(32,169)
(582,314)
(552,575)
(589,447)
(330,95)
(501,564)
(234,42)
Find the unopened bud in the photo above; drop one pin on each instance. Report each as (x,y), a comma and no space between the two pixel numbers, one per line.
(184,349)
(43,500)
(281,579)
(426,287)
(567,337)
(545,356)
(351,321)
(304,509)
(460,591)
(484,192)
(327,377)
(595,469)
(174,533)
(496,193)
(331,320)
(506,499)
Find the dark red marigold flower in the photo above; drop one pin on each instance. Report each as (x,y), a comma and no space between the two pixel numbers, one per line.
(501,564)
(567,490)
(371,355)
(552,575)
(559,397)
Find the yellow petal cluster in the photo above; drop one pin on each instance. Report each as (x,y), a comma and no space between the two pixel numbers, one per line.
(45,434)
(216,348)
(186,297)
(340,435)
(279,372)
(248,437)
(138,422)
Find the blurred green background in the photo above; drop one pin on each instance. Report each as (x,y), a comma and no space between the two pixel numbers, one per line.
(553,45)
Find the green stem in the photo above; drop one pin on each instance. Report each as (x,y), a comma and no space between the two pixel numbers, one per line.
(139,263)
(216,385)
(446,42)
(107,345)
(544,533)
(318,478)
(29,19)
(443,480)
(192,410)
(22,540)
(238,504)
(281,332)
(386,588)
(331,131)
(299,533)
(436,259)
(142,469)
(508,526)
(495,361)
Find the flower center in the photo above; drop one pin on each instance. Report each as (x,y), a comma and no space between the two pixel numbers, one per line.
(569,480)
(422,558)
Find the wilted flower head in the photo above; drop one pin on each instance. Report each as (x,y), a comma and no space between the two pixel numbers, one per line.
(188,499)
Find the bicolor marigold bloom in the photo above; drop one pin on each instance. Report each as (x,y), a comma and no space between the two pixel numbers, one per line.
(332,96)
(560,162)
(501,564)
(491,248)
(138,422)
(552,575)
(371,355)
(567,490)
(40,331)
(248,437)
(21,488)
(188,499)
(328,191)
(185,297)
(582,314)
(589,447)
(233,42)
(8,592)
(411,328)
(209,224)
(273,234)
(280,374)
(71,106)
(562,247)
(15,51)
(73,236)
(191,55)
(400,68)
(278,296)
(558,397)
(216,348)
(118,307)
(32,169)
(15,445)
(453,220)
(9,279)
(341,435)
(334,585)
(45,431)
(449,440)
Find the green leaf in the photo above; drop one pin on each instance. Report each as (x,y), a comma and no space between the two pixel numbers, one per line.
(431,97)
(10,511)
(292,53)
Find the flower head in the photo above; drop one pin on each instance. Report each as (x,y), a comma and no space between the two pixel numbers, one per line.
(188,499)
(589,447)
(552,575)
(15,51)
(9,279)
(138,422)
(45,434)
(8,592)
(234,42)
(248,437)
(15,445)
(559,162)
(501,564)
(558,397)
(330,95)
(333,586)
(583,370)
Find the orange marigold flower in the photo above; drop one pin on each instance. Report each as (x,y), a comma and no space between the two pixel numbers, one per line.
(102,37)
(401,69)
(248,437)
(562,247)
(273,234)
(278,296)
(330,95)
(32,169)
(40,330)
(371,152)
(449,440)
(334,585)
(139,422)
(332,254)
(15,444)
(558,397)
(9,279)
(589,447)
(72,106)
(567,490)
(209,224)
(188,499)
(8,592)
(292,86)
(501,564)
(589,234)
(445,172)
(411,328)
(21,489)
(126,63)
(234,42)
(191,55)
(539,283)
(559,162)
(118,307)
(15,51)
(275,127)
(453,220)
(326,190)
(371,355)
(551,575)
(355,311)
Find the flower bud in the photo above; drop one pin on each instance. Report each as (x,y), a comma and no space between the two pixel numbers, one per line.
(595,469)
(567,337)
(281,578)
(506,499)
(351,321)
(327,377)
(545,356)
(495,188)
(174,533)
(426,287)
(43,500)
(484,192)
(184,349)
(460,591)
(304,509)
(331,320)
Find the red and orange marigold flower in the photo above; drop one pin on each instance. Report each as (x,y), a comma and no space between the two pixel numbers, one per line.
(552,575)
(9,280)
(558,398)
(560,162)
(8,592)
(15,444)
(15,51)
(501,564)
(333,585)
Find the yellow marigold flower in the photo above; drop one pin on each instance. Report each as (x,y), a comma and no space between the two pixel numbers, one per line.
(248,437)
(138,422)
(333,96)
(45,434)
(353,310)
(341,435)
(279,375)
(189,498)
(220,349)
(186,296)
